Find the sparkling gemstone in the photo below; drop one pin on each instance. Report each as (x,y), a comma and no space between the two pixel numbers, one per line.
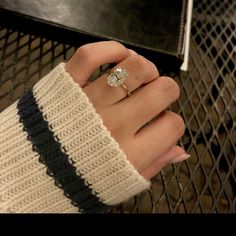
(117,77)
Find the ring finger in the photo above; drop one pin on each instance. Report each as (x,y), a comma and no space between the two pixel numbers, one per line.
(140,71)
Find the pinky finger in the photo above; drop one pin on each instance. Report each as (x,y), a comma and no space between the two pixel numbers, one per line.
(173,155)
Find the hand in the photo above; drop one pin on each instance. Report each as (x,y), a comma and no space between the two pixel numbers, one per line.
(148,147)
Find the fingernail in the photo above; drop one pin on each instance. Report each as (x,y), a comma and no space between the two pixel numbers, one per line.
(181,158)
(132,52)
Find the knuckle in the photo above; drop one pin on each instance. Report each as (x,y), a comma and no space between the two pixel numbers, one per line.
(117,44)
(154,70)
(83,52)
(139,62)
(119,47)
(170,87)
(178,124)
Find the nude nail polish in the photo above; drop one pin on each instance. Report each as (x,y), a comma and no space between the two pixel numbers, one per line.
(181,158)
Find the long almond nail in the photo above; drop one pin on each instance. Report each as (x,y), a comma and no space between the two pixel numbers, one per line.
(181,158)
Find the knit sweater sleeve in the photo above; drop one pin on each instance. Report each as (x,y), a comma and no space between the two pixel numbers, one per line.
(56,155)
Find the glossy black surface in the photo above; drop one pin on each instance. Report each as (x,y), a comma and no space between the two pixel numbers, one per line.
(152,25)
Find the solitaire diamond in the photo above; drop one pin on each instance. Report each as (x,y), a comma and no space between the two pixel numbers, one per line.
(117,77)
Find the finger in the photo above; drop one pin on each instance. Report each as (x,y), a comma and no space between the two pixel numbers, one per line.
(157,138)
(140,71)
(91,56)
(175,152)
(132,52)
(148,102)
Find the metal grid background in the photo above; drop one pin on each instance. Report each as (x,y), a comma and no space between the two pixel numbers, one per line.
(207,181)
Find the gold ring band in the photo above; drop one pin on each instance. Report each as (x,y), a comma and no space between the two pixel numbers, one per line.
(126,89)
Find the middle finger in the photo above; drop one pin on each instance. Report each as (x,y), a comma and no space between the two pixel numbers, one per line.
(148,102)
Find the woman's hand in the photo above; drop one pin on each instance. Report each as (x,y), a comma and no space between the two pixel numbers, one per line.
(148,147)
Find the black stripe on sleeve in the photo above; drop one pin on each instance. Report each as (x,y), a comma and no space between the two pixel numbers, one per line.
(53,156)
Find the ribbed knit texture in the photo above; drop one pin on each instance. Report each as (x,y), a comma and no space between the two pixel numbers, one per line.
(57,156)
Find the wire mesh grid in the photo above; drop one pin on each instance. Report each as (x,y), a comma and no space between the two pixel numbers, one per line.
(206,182)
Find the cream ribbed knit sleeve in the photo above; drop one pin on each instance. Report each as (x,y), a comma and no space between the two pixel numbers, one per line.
(57,156)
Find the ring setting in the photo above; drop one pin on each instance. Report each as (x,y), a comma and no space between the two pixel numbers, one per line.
(117,78)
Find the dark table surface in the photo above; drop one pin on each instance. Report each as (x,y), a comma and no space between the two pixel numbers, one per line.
(153,27)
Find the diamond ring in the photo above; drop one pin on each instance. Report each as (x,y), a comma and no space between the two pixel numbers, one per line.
(117,78)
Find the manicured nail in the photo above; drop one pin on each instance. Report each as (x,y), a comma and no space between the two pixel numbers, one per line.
(181,158)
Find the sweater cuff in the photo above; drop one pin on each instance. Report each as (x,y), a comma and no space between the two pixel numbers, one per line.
(73,146)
